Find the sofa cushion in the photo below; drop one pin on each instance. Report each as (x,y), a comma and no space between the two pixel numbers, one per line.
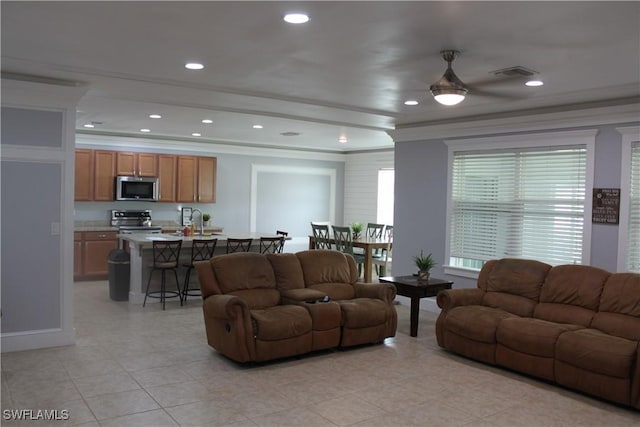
(287,270)
(241,271)
(301,295)
(531,336)
(619,312)
(363,312)
(475,322)
(280,322)
(571,294)
(325,266)
(595,351)
(514,285)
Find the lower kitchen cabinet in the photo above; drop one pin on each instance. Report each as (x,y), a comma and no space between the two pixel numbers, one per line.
(91,252)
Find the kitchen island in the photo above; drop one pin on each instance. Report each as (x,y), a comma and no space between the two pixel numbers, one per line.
(141,251)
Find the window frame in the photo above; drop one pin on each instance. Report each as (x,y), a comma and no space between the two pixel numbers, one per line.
(630,135)
(531,140)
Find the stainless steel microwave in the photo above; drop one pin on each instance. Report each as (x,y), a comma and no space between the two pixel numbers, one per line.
(137,188)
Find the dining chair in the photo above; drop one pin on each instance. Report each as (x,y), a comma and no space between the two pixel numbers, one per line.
(201,250)
(284,235)
(271,245)
(165,257)
(238,245)
(344,244)
(374,231)
(321,236)
(383,262)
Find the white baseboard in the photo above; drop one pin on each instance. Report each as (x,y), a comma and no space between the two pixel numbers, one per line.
(31,340)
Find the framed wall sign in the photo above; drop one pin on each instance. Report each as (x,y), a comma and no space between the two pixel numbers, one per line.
(606,206)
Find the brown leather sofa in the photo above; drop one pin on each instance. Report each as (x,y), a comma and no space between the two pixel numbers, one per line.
(261,307)
(577,326)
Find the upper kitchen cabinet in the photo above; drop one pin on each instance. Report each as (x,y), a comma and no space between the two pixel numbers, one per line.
(196,179)
(136,164)
(167,166)
(104,168)
(84,175)
(207,167)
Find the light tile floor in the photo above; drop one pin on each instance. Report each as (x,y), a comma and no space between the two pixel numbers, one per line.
(135,366)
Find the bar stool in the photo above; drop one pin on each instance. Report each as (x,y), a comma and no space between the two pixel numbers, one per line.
(201,250)
(284,235)
(238,245)
(271,245)
(165,257)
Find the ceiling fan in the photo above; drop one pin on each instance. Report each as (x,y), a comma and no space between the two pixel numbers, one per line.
(450,90)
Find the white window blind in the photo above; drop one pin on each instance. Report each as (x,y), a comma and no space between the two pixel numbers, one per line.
(633,250)
(523,203)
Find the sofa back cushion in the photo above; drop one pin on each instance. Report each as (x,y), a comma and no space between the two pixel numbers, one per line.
(514,285)
(619,311)
(247,275)
(571,294)
(331,272)
(287,270)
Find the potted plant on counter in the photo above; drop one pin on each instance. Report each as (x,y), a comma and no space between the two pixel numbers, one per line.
(205,218)
(424,264)
(356,229)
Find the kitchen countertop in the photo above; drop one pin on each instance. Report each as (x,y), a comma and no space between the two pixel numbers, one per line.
(106,226)
(141,239)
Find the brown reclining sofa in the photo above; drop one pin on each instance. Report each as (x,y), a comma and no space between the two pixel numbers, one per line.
(575,325)
(261,307)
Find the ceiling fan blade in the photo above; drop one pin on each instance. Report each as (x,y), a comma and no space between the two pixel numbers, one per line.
(496,94)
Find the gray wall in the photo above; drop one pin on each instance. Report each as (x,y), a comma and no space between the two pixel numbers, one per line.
(421,201)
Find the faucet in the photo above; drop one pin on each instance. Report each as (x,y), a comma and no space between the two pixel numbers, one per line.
(201,219)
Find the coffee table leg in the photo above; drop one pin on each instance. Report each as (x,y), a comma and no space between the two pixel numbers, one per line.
(415,310)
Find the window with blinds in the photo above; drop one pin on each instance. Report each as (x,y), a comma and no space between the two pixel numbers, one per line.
(522,203)
(633,242)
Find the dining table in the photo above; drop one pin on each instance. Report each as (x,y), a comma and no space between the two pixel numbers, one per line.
(368,244)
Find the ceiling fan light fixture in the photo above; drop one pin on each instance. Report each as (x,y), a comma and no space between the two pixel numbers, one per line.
(449,98)
(449,90)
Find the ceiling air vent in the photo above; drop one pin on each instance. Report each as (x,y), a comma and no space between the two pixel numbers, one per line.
(290,133)
(517,71)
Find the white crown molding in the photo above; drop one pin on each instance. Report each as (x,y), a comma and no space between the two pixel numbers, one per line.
(627,113)
(123,143)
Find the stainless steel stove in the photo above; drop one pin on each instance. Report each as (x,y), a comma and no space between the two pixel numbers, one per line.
(129,222)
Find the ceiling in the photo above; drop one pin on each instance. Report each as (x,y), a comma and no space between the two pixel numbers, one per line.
(345,73)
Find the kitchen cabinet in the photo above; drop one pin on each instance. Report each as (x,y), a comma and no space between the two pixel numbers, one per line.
(167,166)
(94,248)
(207,179)
(136,164)
(196,179)
(78,266)
(83,175)
(104,172)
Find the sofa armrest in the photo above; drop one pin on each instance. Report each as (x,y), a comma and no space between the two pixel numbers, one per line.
(225,306)
(300,295)
(449,298)
(383,291)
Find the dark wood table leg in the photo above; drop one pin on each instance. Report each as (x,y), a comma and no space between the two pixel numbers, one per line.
(415,310)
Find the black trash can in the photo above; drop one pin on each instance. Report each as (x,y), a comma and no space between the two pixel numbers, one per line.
(119,267)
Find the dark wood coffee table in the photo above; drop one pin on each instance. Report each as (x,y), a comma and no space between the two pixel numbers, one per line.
(410,286)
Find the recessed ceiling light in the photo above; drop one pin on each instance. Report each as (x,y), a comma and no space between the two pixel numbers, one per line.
(193,66)
(296,18)
(88,125)
(155,116)
(258,126)
(145,130)
(207,121)
(343,140)
(534,83)
(196,134)
(411,102)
